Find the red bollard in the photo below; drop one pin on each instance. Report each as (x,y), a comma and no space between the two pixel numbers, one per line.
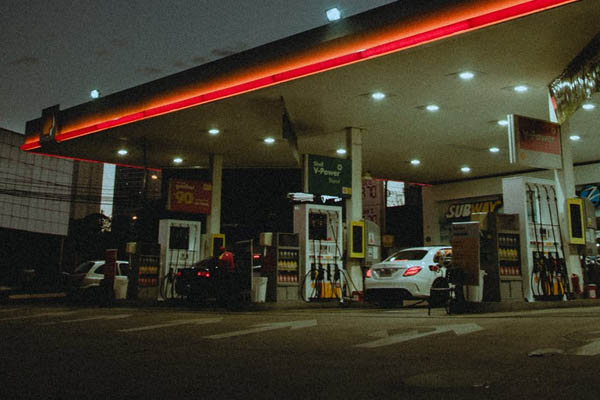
(575,284)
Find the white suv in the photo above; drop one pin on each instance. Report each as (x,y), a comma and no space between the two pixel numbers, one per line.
(407,274)
(85,280)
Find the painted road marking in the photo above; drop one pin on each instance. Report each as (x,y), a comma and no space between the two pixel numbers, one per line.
(386,339)
(49,314)
(99,317)
(266,327)
(194,321)
(590,349)
(36,296)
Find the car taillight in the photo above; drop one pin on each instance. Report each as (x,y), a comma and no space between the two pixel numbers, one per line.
(256,256)
(368,275)
(412,271)
(204,274)
(178,273)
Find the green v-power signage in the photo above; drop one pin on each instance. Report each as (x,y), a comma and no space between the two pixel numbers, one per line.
(329,176)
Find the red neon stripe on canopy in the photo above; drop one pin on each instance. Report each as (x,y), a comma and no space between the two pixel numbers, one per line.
(396,45)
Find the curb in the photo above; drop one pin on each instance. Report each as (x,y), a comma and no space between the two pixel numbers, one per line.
(7,297)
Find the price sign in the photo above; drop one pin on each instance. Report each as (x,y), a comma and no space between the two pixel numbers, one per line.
(465,250)
(110,265)
(189,196)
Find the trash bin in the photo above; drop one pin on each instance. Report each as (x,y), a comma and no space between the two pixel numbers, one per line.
(259,289)
(120,287)
(591,291)
(475,293)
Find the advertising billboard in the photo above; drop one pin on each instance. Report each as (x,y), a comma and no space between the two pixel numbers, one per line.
(534,142)
(329,176)
(189,196)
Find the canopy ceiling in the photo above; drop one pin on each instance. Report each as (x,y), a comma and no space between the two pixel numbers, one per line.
(531,50)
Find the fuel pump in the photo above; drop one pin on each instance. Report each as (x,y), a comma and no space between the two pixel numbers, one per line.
(373,235)
(320,234)
(542,251)
(582,234)
(180,248)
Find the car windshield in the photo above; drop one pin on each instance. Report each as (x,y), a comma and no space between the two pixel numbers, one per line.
(84,267)
(412,255)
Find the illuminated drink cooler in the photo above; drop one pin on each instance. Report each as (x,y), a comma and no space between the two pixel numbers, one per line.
(144,273)
(282,267)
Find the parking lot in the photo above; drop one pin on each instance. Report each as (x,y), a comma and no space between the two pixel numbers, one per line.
(66,352)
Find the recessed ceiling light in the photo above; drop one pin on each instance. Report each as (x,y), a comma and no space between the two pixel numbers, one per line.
(520,88)
(122,152)
(154,176)
(502,122)
(214,131)
(575,138)
(466,75)
(494,150)
(432,107)
(269,140)
(415,162)
(465,169)
(94,94)
(333,14)
(341,151)
(588,106)
(178,160)
(378,96)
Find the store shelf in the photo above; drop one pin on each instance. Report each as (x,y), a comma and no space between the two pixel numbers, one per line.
(509,232)
(511,277)
(287,247)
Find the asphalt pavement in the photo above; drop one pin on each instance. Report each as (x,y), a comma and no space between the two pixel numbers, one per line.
(64,351)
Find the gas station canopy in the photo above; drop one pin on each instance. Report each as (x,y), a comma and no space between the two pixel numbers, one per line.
(411,51)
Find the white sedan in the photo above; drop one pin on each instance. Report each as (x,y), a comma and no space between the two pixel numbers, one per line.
(408,274)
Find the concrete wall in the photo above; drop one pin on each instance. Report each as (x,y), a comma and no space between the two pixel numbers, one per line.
(35,191)
(86,188)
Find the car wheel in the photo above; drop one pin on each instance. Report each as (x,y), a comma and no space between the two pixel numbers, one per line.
(437,298)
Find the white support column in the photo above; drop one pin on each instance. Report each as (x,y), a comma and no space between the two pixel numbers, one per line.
(305,173)
(431,220)
(565,185)
(354,204)
(213,220)
(564,181)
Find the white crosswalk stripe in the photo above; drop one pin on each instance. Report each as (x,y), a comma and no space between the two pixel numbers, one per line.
(42,315)
(96,318)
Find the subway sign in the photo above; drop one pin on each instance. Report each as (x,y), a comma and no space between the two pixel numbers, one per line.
(329,176)
(464,210)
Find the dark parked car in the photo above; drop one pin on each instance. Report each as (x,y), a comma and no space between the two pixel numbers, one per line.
(199,282)
(206,280)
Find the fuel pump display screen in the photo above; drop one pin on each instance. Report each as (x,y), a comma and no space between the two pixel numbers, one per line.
(179,238)
(317,226)
(576,227)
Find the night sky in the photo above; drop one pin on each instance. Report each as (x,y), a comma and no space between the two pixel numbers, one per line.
(55,52)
